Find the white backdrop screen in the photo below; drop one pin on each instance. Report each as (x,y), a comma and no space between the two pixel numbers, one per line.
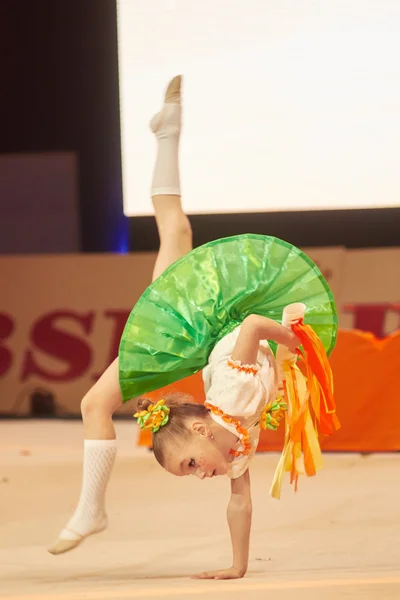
(288,104)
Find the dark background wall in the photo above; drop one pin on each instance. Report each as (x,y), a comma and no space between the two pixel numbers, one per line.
(39,203)
(59,92)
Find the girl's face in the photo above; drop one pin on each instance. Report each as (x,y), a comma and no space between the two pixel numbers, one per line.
(199,454)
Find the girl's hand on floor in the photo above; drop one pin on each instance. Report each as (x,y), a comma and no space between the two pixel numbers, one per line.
(230,573)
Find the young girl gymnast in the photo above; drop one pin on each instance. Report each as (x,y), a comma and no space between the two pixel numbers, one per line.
(214,308)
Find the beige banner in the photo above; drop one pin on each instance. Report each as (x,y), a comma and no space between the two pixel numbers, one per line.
(61,317)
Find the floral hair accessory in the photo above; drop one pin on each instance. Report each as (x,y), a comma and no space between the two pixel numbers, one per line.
(273,414)
(156,416)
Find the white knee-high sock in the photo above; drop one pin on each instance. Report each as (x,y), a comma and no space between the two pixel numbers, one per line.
(90,516)
(166,126)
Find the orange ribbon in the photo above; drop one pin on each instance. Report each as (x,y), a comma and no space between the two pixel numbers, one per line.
(319,377)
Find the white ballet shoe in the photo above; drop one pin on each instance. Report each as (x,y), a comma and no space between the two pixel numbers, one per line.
(173,92)
(62,544)
(167,122)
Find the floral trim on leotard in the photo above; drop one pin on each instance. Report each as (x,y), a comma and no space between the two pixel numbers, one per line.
(242,432)
(236,364)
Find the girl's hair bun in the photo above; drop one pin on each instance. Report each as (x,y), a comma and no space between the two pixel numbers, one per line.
(143,404)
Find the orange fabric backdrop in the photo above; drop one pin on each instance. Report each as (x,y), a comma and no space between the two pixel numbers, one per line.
(367,391)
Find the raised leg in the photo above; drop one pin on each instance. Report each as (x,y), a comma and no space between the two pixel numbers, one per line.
(173,225)
(100,403)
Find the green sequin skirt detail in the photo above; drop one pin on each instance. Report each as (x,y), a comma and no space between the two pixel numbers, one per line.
(205,295)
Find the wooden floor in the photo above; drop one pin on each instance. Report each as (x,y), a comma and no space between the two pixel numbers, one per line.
(339,537)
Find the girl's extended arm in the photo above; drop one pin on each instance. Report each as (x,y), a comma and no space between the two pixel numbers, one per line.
(255,328)
(239,521)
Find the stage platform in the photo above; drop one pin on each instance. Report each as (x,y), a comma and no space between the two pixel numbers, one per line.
(338,537)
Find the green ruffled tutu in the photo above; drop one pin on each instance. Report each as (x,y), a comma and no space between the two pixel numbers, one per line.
(205,295)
